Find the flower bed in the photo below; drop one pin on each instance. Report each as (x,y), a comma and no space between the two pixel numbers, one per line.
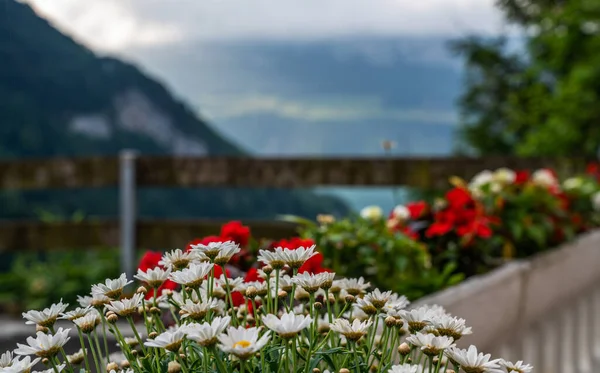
(288,322)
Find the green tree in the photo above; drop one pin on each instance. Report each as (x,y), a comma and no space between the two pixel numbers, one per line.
(541,98)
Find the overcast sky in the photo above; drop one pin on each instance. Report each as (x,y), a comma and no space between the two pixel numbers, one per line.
(115,25)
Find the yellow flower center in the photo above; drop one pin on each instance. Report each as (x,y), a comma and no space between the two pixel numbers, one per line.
(242,344)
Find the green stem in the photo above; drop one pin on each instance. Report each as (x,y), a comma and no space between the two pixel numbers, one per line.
(85,357)
(135,332)
(181,362)
(275,301)
(99,347)
(354,353)
(104,333)
(285,354)
(54,367)
(94,355)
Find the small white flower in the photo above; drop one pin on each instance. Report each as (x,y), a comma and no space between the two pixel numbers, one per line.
(198,310)
(97,300)
(170,340)
(419,318)
(401,213)
(220,252)
(309,281)
(6,359)
(126,307)
(206,334)
(233,282)
(88,323)
(193,276)
(47,317)
(352,331)
(76,358)
(76,313)
(275,258)
(111,288)
(395,304)
(354,286)
(288,326)
(44,345)
(154,277)
(242,342)
(471,361)
(371,213)
(544,178)
(295,258)
(430,344)
(178,259)
(10,364)
(285,283)
(518,367)
(406,368)
(450,326)
(505,176)
(482,178)
(378,298)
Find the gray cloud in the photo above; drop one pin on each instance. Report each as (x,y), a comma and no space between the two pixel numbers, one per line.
(119,24)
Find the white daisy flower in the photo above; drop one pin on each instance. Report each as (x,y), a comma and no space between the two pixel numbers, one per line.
(170,340)
(242,342)
(206,334)
(288,326)
(198,310)
(76,358)
(352,331)
(76,313)
(8,363)
(88,323)
(126,307)
(44,345)
(395,304)
(365,306)
(430,344)
(275,258)
(111,288)
(377,298)
(326,279)
(285,283)
(178,259)
(471,361)
(309,281)
(405,368)
(518,367)
(401,213)
(222,281)
(295,258)
(154,277)
(193,276)
(417,318)
(371,213)
(218,291)
(354,286)
(97,300)
(219,252)
(450,326)
(47,317)
(505,176)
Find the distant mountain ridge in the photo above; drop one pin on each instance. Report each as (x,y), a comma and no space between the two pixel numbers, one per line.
(59,98)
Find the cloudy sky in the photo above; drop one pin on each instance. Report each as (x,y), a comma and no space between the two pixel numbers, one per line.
(115,25)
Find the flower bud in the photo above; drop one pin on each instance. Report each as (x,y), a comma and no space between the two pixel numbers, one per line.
(318,305)
(45,361)
(251,292)
(141,290)
(316,370)
(173,367)
(390,321)
(155,310)
(350,298)
(267,269)
(331,299)
(344,370)
(282,294)
(404,349)
(399,323)
(153,335)
(112,318)
(168,292)
(112,366)
(134,352)
(43,329)
(182,356)
(250,318)
(125,364)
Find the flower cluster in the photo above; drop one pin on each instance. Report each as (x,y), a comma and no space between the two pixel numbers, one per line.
(288,322)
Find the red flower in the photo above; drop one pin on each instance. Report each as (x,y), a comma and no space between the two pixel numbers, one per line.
(236,232)
(252,275)
(522,177)
(150,260)
(417,209)
(167,285)
(314,265)
(458,198)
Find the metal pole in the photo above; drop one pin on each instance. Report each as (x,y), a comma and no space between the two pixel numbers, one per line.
(127,207)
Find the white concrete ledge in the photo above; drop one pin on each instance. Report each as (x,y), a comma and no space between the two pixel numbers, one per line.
(501,304)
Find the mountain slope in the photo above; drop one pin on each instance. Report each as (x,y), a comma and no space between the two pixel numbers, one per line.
(59,98)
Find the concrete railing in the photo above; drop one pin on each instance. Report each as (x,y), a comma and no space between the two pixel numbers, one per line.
(544,310)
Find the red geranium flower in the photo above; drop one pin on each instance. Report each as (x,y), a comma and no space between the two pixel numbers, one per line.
(417,209)
(236,232)
(522,177)
(150,260)
(458,198)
